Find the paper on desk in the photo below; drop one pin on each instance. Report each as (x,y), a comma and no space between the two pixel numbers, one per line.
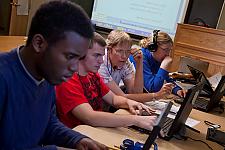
(184,86)
(215,79)
(191,122)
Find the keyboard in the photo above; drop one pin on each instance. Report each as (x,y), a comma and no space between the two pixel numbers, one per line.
(166,126)
(201,102)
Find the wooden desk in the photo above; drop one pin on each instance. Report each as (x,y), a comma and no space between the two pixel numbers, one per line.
(9,42)
(115,136)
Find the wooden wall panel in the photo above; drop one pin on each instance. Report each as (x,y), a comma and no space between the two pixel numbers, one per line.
(201,43)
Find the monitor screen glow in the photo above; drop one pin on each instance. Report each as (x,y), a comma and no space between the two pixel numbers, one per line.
(139,17)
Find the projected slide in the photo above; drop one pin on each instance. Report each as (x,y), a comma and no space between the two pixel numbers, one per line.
(139,17)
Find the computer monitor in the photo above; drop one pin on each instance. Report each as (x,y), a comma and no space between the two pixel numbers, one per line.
(171,126)
(217,95)
(156,129)
(198,76)
(139,17)
(184,111)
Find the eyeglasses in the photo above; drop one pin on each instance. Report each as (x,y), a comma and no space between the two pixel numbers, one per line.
(167,50)
(121,52)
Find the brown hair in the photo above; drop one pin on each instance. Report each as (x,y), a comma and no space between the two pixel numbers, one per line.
(162,38)
(118,37)
(99,39)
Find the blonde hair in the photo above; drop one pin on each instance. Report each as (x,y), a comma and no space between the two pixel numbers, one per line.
(118,37)
(162,38)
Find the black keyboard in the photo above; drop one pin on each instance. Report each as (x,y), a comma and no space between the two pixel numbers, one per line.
(167,124)
(201,103)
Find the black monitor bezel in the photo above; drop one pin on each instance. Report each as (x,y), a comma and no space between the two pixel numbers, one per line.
(184,110)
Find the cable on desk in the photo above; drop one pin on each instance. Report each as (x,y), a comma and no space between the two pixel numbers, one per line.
(201,142)
(187,137)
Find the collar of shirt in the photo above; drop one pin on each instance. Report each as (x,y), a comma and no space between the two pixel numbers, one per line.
(107,62)
(36,81)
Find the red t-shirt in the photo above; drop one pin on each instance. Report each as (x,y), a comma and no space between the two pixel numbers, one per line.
(78,90)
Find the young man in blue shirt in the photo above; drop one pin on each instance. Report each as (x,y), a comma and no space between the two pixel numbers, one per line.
(59,36)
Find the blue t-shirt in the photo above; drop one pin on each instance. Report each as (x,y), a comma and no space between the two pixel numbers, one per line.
(27,110)
(154,76)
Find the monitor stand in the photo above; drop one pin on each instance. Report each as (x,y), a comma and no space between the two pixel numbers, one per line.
(181,134)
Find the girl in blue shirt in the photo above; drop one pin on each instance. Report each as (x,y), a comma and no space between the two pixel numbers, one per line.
(156,64)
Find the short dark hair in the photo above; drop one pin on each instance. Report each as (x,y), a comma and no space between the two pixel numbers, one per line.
(55,18)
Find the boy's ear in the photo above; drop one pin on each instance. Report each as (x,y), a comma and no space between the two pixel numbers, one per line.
(39,43)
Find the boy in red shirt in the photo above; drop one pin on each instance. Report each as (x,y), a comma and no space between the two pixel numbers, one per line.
(80,99)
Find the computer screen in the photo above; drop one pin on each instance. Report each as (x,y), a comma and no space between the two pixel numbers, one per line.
(156,129)
(139,17)
(184,111)
(217,95)
(199,75)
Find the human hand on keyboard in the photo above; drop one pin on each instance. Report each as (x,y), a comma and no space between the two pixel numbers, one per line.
(137,108)
(146,122)
(146,128)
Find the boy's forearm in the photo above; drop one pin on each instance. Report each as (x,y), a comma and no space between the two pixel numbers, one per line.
(142,97)
(105,119)
(120,101)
